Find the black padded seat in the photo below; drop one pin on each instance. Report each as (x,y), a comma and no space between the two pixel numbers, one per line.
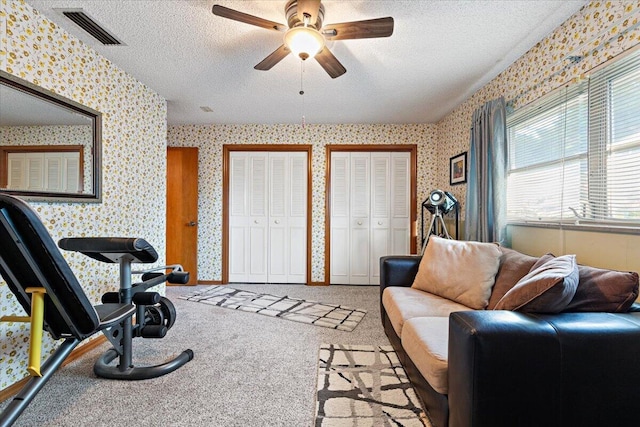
(111,249)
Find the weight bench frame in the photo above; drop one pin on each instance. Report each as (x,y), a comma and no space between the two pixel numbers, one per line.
(50,294)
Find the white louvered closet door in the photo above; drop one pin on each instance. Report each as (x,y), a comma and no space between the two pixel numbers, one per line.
(287,217)
(340,218)
(248,217)
(48,171)
(370,213)
(360,221)
(267,217)
(17,171)
(380,211)
(400,205)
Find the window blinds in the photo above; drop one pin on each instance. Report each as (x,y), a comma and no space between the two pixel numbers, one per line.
(575,154)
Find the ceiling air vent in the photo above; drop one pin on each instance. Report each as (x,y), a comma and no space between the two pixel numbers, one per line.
(83,20)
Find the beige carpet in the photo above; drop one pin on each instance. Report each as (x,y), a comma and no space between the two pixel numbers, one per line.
(248,370)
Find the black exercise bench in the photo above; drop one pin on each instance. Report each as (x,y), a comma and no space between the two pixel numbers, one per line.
(48,291)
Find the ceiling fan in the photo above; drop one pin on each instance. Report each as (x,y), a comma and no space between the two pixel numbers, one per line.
(306,37)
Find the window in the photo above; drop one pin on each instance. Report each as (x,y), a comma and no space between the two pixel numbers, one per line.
(574,156)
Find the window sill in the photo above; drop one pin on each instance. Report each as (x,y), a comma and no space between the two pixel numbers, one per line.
(585,227)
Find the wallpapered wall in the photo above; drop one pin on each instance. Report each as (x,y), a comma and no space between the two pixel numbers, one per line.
(210,140)
(55,135)
(134,126)
(134,158)
(598,32)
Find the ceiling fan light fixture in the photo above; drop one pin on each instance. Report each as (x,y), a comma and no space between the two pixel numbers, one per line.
(304,42)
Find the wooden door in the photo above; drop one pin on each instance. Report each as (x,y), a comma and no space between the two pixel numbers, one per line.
(182,209)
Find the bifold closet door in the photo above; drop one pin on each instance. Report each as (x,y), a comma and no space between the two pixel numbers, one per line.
(287,231)
(267,217)
(370,213)
(50,171)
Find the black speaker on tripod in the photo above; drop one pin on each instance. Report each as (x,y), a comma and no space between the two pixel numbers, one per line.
(438,203)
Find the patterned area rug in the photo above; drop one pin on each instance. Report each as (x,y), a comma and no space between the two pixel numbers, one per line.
(298,310)
(363,385)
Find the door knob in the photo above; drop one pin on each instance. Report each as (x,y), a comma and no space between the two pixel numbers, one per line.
(359,222)
(192,224)
(277,221)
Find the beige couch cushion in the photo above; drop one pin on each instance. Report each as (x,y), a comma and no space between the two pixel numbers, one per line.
(458,270)
(426,342)
(402,304)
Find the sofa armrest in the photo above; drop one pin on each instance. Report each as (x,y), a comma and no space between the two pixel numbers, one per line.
(508,368)
(398,270)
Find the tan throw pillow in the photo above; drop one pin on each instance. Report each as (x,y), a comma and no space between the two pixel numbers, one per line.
(547,288)
(463,272)
(513,267)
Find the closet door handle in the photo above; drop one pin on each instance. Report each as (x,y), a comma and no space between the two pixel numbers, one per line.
(277,221)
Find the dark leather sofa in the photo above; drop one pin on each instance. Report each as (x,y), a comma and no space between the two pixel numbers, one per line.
(513,369)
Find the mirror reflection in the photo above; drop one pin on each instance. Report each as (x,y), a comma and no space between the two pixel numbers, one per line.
(49,145)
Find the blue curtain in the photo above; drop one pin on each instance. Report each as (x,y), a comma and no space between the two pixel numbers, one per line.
(485,209)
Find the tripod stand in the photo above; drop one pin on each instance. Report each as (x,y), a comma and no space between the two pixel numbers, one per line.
(436,220)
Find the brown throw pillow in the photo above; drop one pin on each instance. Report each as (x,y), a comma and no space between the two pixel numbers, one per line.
(513,267)
(604,290)
(461,271)
(547,288)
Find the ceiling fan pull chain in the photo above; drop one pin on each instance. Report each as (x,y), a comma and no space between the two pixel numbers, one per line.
(302,90)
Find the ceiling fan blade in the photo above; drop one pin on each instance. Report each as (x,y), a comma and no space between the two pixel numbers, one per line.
(309,7)
(371,28)
(225,12)
(330,63)
(271,60)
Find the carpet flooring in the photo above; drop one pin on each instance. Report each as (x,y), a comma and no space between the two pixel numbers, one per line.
(364,385)
(295,309)
(248,370)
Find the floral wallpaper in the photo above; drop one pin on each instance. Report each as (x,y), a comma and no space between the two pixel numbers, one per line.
(134,129)
(55,135)
(210,140)
(133,157)
(598,32)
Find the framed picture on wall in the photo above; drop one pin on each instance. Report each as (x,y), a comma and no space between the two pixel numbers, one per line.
(458,169)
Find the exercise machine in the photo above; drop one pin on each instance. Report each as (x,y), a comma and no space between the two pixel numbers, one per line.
(48,291)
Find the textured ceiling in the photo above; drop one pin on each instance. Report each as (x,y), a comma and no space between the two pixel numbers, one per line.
(440,53)
(19,109)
